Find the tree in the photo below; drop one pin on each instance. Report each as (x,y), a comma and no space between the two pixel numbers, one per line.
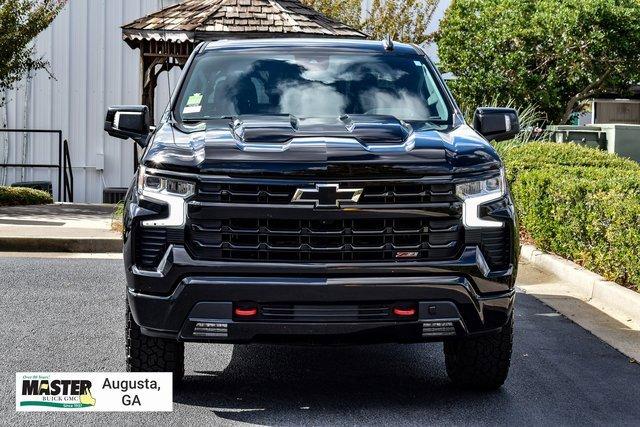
(345,11)
(20,22)
(404,20)
(549,53)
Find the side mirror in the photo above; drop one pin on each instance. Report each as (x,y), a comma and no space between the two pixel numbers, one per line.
(496,124)
(129,121)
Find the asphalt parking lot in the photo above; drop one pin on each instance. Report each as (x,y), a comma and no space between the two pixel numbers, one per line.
(68,315)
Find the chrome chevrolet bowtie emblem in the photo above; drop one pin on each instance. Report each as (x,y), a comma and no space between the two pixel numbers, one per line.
(327,195)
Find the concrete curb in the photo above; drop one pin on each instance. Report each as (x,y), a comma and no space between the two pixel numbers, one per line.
(60,244)
(586,284)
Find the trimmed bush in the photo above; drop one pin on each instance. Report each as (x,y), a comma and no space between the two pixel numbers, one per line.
(18,196)
(580,203)
(537,155)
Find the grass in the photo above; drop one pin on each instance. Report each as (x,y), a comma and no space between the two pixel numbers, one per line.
(116,218)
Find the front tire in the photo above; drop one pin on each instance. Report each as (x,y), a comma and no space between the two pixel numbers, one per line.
(482,362)
(151,354)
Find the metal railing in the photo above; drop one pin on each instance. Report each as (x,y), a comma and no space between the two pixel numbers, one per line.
(65,172)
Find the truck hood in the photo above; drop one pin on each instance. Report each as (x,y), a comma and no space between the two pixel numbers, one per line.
(349,146)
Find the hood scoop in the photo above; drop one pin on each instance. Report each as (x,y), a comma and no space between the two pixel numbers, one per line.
(280,129)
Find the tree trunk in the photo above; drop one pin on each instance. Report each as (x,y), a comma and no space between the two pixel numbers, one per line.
(571,105)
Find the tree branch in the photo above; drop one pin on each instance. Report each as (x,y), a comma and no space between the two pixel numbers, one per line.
(583,94)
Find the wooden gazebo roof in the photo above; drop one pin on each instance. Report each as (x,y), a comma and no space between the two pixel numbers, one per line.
(196,20)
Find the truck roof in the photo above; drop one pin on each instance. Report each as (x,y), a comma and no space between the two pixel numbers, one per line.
(328,43)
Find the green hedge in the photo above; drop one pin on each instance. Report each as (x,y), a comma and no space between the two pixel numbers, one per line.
(536,155)
(580,203)
(18,196)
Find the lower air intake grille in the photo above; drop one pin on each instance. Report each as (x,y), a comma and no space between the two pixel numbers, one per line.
(368,312)
(151,244)
(350,240)
(495,246)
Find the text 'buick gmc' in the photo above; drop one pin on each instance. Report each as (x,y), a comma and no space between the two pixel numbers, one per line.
(318,191)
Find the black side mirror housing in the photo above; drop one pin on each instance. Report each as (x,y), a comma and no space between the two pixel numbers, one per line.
(496,124)
(129,121)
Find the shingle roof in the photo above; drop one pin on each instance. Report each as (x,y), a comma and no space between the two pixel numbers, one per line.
(195,20)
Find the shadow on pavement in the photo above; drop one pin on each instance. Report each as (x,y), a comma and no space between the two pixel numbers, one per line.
(320,385)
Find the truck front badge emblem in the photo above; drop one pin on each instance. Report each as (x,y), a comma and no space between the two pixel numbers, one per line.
(327,196)
(407,254)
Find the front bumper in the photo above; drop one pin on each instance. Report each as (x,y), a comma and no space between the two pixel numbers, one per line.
(454,298)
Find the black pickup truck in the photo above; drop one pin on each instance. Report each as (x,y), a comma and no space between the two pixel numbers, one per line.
(318,191)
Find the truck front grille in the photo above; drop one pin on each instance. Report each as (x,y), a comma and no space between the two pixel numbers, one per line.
(281,194)
(320,240)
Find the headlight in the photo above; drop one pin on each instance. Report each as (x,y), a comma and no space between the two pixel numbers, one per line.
(171,191)
(159,184)
(476,193)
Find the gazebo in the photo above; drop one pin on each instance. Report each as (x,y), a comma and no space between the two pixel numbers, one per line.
(166,38)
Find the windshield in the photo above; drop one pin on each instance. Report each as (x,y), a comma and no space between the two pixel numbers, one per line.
(310,83)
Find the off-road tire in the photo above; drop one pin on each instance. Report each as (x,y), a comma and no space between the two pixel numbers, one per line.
(482,362)
(151,354)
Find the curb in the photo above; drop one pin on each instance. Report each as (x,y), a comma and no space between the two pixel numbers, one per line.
(586,284)
(60,244)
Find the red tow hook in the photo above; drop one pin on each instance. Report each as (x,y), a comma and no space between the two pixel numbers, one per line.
(404,312)
(246,312)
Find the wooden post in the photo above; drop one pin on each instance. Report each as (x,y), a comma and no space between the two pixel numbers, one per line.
(149,83)
(151,94)
(143,100)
